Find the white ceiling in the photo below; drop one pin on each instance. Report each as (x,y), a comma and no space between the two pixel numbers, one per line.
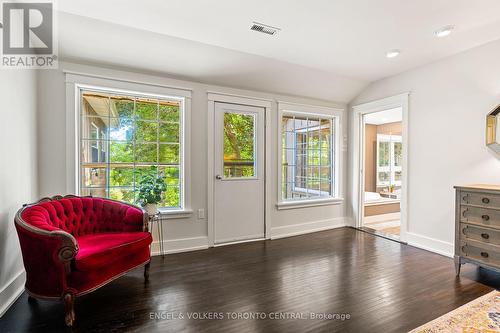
(384,117)
(345,38)
(98,42)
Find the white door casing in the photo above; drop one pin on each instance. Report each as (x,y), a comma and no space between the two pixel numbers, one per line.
(239,200)
(357,194)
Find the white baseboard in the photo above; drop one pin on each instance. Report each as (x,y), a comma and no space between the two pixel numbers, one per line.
(180,245)
(11,291)
(305,228)
(430,244)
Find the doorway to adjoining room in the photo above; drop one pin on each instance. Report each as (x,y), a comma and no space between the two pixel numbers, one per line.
(383,157)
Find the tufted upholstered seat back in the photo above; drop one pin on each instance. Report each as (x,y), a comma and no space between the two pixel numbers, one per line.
(81,216)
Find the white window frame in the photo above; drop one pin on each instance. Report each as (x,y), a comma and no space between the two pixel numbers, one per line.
(75,82)
(324,194)
(392,168)
(335,116)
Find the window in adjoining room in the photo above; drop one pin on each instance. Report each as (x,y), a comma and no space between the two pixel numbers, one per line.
(389,160)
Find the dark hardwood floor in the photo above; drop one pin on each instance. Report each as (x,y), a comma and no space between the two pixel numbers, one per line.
(384,286)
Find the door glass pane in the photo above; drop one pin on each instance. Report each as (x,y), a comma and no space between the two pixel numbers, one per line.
(239,145)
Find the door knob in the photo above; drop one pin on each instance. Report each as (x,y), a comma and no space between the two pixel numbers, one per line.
(219,177)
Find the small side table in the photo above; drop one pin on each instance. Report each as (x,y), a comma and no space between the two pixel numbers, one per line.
(156,218)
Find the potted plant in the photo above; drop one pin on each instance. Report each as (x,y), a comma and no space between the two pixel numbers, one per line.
(151,187)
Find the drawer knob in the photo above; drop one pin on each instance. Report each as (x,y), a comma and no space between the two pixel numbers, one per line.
(484,254)
(486,200)
(485,217)
(485,236)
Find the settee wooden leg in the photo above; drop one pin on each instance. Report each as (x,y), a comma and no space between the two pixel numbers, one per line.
(69,306)
(146,272)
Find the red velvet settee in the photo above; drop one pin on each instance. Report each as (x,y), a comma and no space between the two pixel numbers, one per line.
(73,245)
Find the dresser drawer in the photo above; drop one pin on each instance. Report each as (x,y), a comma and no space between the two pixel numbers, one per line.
(485,235)
(480,199)
(481,216)
(485,253)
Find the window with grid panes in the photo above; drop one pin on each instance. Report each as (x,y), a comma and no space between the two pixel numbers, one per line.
(307,157)
(124,136)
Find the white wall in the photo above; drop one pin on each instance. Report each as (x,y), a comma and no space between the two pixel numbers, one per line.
(449,101)
(189,232)
(18,172)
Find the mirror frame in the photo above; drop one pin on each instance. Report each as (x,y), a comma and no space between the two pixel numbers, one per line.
(493,130)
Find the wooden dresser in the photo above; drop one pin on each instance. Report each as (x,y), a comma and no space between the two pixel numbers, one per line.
(477,226)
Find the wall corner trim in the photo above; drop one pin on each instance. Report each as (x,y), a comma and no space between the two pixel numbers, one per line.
(11,291)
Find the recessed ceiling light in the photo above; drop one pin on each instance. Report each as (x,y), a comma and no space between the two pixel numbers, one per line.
(444,31)
(393,53)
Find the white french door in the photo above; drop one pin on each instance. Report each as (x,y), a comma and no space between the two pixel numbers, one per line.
(239,173)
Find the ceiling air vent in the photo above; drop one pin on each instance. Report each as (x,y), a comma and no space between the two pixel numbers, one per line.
(265,29)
